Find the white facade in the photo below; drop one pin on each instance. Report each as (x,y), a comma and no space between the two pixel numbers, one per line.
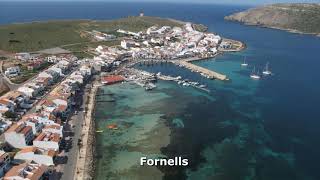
(29,92)
(12,71)
(19,136)
(57,129)
(47,141)
(39,156)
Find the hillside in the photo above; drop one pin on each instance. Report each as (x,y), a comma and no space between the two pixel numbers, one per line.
(300,18)
(23,37)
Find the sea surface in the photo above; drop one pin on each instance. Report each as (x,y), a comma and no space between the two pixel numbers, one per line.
(242,130)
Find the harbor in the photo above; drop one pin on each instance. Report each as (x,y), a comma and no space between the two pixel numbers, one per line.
(203,71)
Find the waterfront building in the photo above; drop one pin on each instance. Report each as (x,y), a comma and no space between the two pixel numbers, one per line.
(47,141)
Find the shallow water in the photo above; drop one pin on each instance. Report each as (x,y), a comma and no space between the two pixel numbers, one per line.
(242,129)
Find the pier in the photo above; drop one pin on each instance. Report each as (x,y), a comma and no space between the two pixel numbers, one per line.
(203,71)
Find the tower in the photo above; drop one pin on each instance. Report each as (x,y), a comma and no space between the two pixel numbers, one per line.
(141,14)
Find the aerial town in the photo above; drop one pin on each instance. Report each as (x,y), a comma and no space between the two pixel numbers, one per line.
(41,118)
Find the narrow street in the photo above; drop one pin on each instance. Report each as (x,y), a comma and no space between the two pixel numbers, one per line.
(73,130)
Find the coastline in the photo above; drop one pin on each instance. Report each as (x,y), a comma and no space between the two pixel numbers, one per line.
(294,31)
(85,160)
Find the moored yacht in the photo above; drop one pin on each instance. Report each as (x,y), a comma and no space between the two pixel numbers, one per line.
(266,70)
(244,63)
(255,75)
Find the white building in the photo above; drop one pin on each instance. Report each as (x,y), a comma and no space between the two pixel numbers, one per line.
(54,128)
(19,135)
(12,71)
(23,56)
(45,75)
(29,92)
(38,155)
(126,44)
(33,123)
(85,70)
(47,141)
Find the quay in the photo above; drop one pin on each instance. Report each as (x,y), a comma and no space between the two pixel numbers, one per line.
(85,158)
(203,71)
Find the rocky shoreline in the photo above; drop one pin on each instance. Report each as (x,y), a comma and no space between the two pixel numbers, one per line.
(300,18)
(85,161)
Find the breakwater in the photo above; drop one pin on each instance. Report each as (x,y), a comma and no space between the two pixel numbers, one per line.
(203,71)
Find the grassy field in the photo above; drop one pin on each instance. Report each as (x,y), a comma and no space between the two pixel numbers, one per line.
(301,17)
(36,36)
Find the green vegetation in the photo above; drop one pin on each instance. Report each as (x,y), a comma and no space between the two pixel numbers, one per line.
(42,35)
(10,114)
(27,74)
(85,46)
(301,17)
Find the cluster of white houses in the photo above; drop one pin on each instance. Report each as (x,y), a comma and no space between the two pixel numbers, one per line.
(160,43)
(22,99)
(37,135)
(172,43)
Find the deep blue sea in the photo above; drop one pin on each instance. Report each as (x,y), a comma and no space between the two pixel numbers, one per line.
(273,124)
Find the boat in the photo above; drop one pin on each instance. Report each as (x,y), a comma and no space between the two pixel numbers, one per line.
(186,84)
(254,75)
(112,126)
(266,70)
(99,131)
(244,63)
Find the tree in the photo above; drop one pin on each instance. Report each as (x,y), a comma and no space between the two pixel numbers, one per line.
(10,114)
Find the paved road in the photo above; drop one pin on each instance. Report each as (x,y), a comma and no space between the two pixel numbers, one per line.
(75,123)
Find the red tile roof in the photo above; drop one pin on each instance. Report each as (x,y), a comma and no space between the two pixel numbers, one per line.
(112,79)
(46,136)
(26,171)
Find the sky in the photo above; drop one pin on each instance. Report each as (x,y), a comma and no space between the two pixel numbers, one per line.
(195,1)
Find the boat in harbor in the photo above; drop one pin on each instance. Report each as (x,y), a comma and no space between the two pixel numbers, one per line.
(186,84)
(254,75)
(244,64)
(266,70)
(150,86)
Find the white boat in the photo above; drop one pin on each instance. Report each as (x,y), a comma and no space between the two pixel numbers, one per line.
(266,70)
(244,63)
(254,75)
(186,84)
(150,86)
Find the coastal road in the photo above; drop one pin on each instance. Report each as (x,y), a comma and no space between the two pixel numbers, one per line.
(75,127)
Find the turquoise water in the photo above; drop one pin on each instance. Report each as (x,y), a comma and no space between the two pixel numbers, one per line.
(241,130)
(144,122)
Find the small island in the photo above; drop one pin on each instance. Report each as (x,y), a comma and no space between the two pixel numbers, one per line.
(294,17)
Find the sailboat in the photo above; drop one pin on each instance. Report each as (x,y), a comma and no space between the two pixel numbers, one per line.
(254,75)
(266,70)
(244,62)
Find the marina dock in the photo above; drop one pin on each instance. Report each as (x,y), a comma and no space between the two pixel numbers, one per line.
(203,71)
